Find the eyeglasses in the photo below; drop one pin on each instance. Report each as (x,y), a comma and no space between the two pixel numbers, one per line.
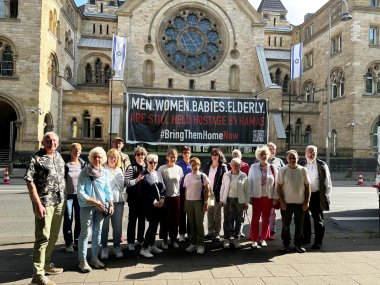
(140,154)
(152,162)
(215,154)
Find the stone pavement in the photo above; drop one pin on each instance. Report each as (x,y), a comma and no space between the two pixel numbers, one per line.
(347,257)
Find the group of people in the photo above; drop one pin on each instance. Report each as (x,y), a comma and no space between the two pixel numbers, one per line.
(173,197)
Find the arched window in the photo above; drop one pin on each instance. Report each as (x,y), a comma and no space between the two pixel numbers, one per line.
(277,78)
(234,78)
(97,129)
(368,82)
(68,74)
(374,140)
(148,73)
(309,91)
(74,128)
(334,89)
(307,137)
(53,70)
(86,130)
(337,84)
(51,22)
(88,73)
(285,85)
(6,64)
(98,71)
(334,142)
(107,73)
(341,86)
(298,131)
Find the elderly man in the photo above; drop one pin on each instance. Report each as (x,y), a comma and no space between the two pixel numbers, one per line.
(319,201)
(118,143)
(46,184)
(278,163)
(293,187)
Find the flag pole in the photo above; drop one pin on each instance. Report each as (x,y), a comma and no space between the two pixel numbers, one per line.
(111,107)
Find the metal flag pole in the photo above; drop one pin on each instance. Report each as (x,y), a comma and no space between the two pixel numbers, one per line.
(111,107)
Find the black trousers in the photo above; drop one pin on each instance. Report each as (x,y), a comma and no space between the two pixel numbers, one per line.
(287,215)
(135,213)
(317,214)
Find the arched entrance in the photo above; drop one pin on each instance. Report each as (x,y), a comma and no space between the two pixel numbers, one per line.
(8,136)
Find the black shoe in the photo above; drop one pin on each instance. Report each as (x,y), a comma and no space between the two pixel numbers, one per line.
(216,239)
(209,237)
(285,248)
(299,249)
(316,246)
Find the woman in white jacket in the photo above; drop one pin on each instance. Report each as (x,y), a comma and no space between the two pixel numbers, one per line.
(234,197)
(261,179)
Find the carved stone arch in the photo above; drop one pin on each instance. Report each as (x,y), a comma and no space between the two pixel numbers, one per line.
(11,44)
(91,58)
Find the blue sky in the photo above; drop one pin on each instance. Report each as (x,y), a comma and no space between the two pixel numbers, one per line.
(296,8)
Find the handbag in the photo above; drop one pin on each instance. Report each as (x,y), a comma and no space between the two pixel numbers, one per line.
(96,195)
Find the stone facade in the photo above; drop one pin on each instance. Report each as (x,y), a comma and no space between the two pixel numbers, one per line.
(62,56)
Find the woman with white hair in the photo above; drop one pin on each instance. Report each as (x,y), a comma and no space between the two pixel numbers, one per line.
(94,193)
(261,179)
(234,197)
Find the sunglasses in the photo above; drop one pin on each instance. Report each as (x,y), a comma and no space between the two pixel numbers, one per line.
(140,154)
(152,162)
(215,154)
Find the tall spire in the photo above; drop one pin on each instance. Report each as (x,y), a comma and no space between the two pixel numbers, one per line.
(272,5)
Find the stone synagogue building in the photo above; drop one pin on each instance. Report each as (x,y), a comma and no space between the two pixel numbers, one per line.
(55,68)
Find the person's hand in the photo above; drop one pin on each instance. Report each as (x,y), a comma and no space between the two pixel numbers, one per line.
(39,211)
(99,206)
(221,204)
(205,205)
(140,177)
(305,206)
(283,205)
(274,202)
(111,210)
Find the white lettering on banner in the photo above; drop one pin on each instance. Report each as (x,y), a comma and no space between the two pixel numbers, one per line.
(183,105)
(187,134)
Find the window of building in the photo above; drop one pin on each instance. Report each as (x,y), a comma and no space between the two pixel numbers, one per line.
(234,78)
(374,36)
(283,17)
(100,29)
(97,129)
(6,60)
(308,62)
(98,71)
(288,132)
(334,90)
(298,131)
(74,128)
(148,73)
(337,84)
(274,21)
(86,130)
(8,9)
(374,3)
(307,136)
(336,44)
(268,41)
(212,84)
(93,28)
(53,70)
(88,73)
(285,85)
(191,84)
(277,78)
(308,32)
(68,74)
(265,16)
(92,2)
(275,41)
(280,41)
(108,29)
(170,82)
(101,7)
(107,73)
(374,134)
(372,79)
(309,91)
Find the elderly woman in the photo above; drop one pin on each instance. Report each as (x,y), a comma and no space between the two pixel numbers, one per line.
(172,175)
(214,170)
(94,192)
(119,195)
(262,178)
(133,176)
(197,193)
(73,167)
(234,197)
(153,193)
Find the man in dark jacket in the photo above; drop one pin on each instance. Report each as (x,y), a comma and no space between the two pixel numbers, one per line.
(320,189)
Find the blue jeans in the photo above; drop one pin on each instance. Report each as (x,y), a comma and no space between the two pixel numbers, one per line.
(117,223)
(91,221)
(72,210)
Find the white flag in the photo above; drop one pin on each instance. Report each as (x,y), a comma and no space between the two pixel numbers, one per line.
(119,51)
(296,61)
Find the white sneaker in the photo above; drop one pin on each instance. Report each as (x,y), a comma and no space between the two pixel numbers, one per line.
(155,249)
(95,262)
(118,253)
(164,245)
(175,244)
(131,246)
(84,267)
(104,254)
(146,253)
(254,245)
(263,243)
(200,249)
(191,248)
(182,238)
(226,243)
(237,243)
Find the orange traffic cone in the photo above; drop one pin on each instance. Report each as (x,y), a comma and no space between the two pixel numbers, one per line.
(360,179)
(6,177)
